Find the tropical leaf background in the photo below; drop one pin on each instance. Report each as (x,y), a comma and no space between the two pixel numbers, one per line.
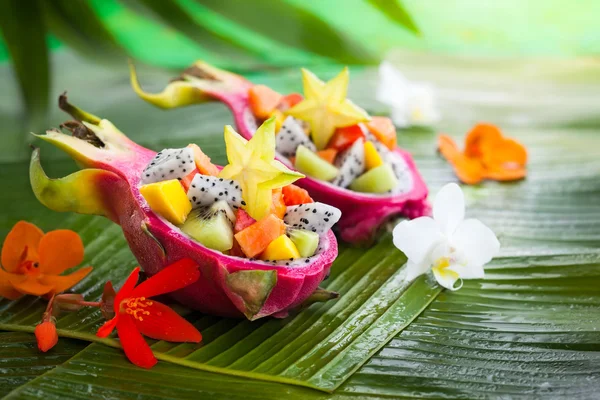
(529,329)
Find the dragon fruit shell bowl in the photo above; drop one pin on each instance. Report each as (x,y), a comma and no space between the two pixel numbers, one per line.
(108,185)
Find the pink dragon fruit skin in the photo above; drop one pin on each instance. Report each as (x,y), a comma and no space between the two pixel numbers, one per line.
(108,185)
(362,213)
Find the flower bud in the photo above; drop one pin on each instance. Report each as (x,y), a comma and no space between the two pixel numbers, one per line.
(46,335)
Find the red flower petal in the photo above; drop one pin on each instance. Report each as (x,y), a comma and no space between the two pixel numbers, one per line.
(135,347)
(163,323)
(176,276)
(127,288)
(107,327)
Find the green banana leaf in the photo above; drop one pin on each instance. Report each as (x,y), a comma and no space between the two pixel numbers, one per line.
(228,33)
(528,329)
(21,361)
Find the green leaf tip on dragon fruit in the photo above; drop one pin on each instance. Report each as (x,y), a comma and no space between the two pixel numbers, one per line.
(110,183)
(337,130)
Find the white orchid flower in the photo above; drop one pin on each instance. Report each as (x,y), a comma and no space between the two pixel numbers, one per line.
(454,248)
(410,103)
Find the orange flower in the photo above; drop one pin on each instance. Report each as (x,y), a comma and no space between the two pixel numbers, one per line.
(487,155)
(32,261)
(46,336)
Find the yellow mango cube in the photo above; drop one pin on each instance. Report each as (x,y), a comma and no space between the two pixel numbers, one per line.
(168,199)
(372,157)
(279,118)
(281,248)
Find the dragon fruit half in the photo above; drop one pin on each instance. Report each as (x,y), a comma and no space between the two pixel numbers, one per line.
(109,186)
(362,213)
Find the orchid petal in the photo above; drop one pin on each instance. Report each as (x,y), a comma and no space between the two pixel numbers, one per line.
(23,236)
(477,243)
(6,288)
(64,282)
(417,238)
(468,271)
(449,208)
(60,250)
(28,285)
(447,277)
(413,269)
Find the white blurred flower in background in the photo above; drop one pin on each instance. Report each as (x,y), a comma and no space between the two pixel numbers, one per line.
(410,103)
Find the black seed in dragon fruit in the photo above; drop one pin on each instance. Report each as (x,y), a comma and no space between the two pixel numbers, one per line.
(206,190)
(351,164)
(290,136)
(314,217)
(169,164)
(399,166)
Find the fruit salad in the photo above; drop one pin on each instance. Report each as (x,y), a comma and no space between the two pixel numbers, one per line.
(218,208)
(329,138)
(350,159)
(262,245)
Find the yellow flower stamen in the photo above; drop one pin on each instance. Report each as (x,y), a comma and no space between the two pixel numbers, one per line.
(135,307)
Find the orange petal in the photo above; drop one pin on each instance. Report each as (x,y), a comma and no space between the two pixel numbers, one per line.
(23,235)
(504,151)
(468,170)
(479,137)
(60,250)
(447,147)
(6,288)
(59,284)
(506,174)
(27,284)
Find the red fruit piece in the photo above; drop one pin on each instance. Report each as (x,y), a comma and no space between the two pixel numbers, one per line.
(344,137)
(294,195)
(384,130)
(278,206)
(263,101)
(205,167)
(242,220)
(254,239)
(328,155)
(290,101)
(187,180)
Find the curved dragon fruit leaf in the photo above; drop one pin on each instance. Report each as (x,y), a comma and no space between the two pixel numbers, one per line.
(229,286)
(362,213)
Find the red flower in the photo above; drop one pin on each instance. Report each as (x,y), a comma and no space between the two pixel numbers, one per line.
(137,315)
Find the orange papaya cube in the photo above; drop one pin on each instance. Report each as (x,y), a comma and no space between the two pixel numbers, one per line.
(294,195)
(254,239)
(263,101)
(384,130)
(328,155)
(203,164)
(344,137)
(278,206)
